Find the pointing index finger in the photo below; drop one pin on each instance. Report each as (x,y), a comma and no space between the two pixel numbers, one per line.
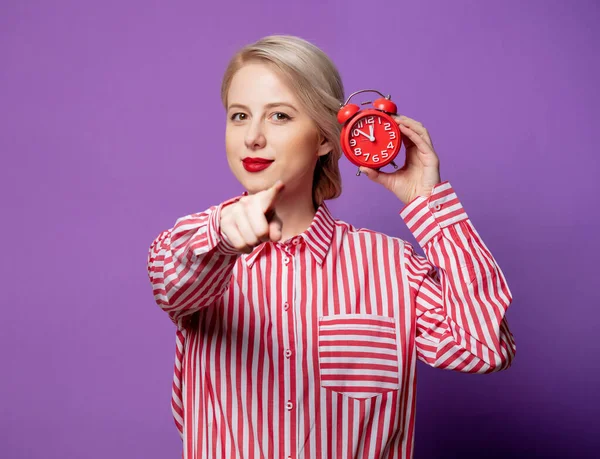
(271,195)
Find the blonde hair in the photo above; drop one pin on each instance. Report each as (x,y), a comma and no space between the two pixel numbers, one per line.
(315,80)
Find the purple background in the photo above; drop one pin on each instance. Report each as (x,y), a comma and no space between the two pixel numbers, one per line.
(111,128)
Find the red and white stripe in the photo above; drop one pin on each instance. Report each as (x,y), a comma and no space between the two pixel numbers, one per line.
(357,354)
(307,349)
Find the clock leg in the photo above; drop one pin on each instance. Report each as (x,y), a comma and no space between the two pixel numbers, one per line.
(394,164)
(358,172)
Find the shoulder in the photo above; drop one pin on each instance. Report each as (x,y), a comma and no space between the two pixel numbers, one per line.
(349,232)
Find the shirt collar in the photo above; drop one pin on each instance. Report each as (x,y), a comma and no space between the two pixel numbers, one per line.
(317,237)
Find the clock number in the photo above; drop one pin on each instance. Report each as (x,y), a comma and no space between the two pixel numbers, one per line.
(360,124)
(355,133)
(367,155)
(379,119)
(384,154)
(371,120)
(392,135)
(357,151)
(352,142)
(388,126)
(390,145)
(375,158)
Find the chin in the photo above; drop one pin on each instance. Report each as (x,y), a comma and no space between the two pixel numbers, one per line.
(255,182)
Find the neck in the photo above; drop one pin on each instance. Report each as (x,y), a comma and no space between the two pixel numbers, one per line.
(296,211)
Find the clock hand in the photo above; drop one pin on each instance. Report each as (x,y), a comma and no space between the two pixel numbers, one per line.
(361,132)
(372,138)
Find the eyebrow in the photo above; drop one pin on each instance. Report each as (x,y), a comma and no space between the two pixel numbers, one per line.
(271,105)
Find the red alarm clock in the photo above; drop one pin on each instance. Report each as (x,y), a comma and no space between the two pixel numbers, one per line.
(371,137)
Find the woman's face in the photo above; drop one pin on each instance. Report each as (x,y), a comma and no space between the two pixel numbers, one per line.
(265,120)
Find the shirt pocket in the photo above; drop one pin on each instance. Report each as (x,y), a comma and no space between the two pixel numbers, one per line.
(358,354)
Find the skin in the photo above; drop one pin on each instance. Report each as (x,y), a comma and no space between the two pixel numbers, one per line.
(279,204)
(284,133)
(421,171)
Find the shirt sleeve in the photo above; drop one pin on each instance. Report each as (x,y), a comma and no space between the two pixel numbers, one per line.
(190,265)
(458,290)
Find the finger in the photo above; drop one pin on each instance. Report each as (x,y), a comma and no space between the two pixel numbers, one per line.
(269,196)
(381,177)
(243,226)
(373,174)
(407,119)
(408,144)
(258,222)
(415,126)
(275,230)
(423,146)
(236,238)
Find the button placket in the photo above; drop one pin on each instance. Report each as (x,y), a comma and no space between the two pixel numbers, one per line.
(287,254)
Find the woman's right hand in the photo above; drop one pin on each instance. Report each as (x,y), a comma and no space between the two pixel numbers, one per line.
(251,220)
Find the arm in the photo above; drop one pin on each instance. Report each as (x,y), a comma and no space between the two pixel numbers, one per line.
(190,265)
(461,305)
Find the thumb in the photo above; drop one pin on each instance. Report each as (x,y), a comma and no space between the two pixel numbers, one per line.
(373,174)
(383,178)
(270,195)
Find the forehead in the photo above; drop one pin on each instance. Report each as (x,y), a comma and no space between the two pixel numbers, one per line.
(258,84)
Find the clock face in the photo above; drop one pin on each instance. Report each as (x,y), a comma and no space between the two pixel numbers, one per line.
(372,140)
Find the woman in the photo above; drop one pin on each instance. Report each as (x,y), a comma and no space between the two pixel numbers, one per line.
(298,334)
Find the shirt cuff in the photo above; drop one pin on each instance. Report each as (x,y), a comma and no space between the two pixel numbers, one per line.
(216,238)
(426,216)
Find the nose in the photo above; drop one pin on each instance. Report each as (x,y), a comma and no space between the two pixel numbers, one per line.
(255,137)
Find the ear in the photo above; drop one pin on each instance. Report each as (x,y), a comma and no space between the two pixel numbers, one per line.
(325,146)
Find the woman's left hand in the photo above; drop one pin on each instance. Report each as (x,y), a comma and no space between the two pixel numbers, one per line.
(421,171)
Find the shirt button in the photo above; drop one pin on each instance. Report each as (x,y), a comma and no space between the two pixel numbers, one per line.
(286,260)
(289,406)
(286,306)
(437,207)
(288,353)
(296,241)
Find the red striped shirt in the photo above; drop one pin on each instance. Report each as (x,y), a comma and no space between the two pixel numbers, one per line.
(308,348)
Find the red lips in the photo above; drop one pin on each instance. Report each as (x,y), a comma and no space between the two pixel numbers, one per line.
(256,164)
(257,160)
